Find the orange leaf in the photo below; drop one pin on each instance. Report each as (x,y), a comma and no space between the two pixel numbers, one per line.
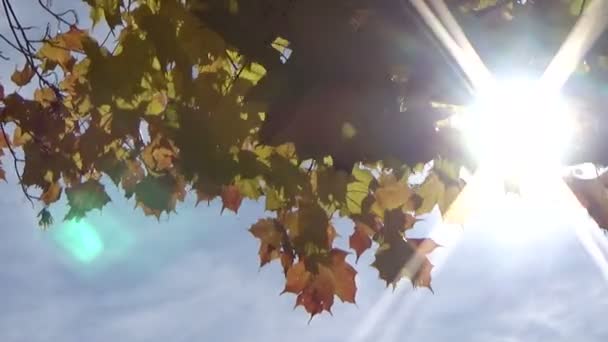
(52,194)
(319,294)
(297,278)
(231,198)
(24,76)
(343,276)
(133,175)
(270,237)
(267,232)
(45,96)
(72,40)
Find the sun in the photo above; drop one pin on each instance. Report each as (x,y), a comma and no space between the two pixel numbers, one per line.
(517,127)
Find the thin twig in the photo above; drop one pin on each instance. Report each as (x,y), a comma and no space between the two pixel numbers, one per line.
(59,16)
(15,164)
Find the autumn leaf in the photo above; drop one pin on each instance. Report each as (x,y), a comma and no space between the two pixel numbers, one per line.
(45,96)
(20,137)
(360,240)
(270,236)
(24,76)
(158,104)
(297,278)
(431,192)
(343,275)
(73,39)
(52,194)
(133,174)
(85,197)
(391,194)
(395,260)
(2,174)
(204,95)
(231,198)
(448,197)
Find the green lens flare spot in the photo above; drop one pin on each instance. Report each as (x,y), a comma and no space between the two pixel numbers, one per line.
(80,240)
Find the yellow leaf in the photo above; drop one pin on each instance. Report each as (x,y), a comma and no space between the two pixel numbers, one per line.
(253,73)
(391,195)
(55,52)
(249,188)
(273,199)
(431,191)
(451,192)
(45,96)
(163,158)
(287,150)
(20,138)
(158,104)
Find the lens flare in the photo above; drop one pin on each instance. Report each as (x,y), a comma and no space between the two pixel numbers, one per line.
(517,127)
(80,240)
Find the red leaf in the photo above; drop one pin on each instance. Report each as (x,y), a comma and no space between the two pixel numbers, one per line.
(319,294)
(359,240)
(231,198)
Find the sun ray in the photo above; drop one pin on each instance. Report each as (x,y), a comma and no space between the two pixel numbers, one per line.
(468,66)
(487,181)
(471,199)
(586,230)
(456,31)
(581,38)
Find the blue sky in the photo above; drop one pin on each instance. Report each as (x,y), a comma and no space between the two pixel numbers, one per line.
(195,277)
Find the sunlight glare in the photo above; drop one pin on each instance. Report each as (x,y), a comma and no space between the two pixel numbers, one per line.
(517,127)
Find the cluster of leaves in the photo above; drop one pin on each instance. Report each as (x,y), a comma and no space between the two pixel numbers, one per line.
(248,100)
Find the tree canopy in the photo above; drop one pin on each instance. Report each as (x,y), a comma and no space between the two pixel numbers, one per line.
(318,108)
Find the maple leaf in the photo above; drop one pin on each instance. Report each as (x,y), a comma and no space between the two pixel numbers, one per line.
(270,236)
(360,240)
(23,76)
(231,198)
(45,96)
(392,194)
(85,197)
(297,278)
(316,290)
(206,191)
(157,194)
(57,50)
(73,39)
(343,276)
(133,174)
(310,229)
(52,194)
(431,192)
(318,295)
